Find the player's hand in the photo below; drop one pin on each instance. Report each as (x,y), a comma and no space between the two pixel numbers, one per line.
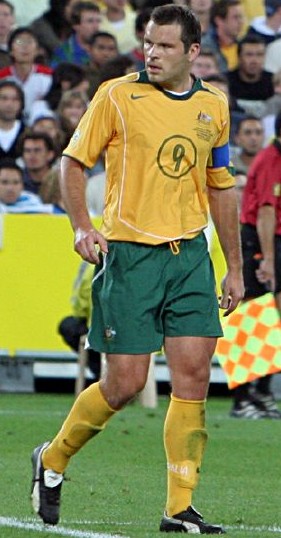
(232,292)
(266,275)
(85,242)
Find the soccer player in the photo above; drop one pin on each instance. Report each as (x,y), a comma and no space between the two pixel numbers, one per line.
(166,140)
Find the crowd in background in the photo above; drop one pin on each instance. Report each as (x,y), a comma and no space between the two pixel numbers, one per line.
(54,55)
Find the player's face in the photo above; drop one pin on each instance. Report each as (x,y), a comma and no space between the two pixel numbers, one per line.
(167,63)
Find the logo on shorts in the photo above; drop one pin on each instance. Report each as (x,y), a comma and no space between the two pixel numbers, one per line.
(109,333)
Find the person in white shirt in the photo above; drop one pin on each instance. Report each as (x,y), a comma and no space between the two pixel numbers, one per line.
(35,79)
(11,124)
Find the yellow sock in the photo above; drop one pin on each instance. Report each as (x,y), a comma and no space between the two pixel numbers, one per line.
(185,438)
(87,418)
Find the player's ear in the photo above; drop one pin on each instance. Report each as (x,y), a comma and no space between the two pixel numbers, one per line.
(193,52)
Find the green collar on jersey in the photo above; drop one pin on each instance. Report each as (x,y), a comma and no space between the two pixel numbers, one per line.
(143,78)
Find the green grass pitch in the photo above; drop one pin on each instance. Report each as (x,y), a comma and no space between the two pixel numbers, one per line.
(116,484)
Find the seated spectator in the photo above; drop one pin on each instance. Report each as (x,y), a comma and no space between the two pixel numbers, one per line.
(227,20)
(205,64)
(85,21)
(50,192)
(118,19)
(34,79)
(103,47)
(38,153)
(71,108)
(202,9)
(11,124)
(13,197)
(7,22)
(268,26)
(76,325)
(250,84)
(236,113)
(50,125)
(249,140)
(66,76)
(272,108)
(117,67)
(136,54)
(52,28)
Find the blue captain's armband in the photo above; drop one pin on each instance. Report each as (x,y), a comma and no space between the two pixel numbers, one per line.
(220,156)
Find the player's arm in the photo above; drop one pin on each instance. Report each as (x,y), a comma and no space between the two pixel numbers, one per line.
(223,209)
(266,223)
(73,193)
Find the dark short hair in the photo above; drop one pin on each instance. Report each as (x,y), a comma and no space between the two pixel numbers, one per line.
(19,31)
(221,7)
(38,136)
(8,4)
(142,19)
(116,67)
(182,15)
(250,39)
(92,40)
(246,117)
(79,7)
(10,164)
(9,83)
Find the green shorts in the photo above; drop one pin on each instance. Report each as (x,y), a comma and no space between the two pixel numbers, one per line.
(142,293)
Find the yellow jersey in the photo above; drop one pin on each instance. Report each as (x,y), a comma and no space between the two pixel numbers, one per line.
(162,152)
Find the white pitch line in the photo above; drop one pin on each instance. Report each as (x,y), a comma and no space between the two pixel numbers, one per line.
(247,528)
(59,531)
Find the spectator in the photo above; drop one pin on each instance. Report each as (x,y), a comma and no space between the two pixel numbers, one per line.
(6,24)
(11,124)
(52,28)
(250,84)
(268,26)
(103,47)
(205,64)
(13,197)
(37,154)
(136,54)
(119,19)
(117,67)
(85,21)
(50,193)
(66,76)
(227,20)
(249,138)
(50,125)
(35,79)
(71,108)
(261,245)
(202,9)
